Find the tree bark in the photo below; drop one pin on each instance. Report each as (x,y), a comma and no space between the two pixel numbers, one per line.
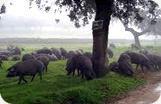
(100,37)
(137,41)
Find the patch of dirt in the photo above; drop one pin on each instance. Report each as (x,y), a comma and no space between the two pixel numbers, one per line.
(145,94)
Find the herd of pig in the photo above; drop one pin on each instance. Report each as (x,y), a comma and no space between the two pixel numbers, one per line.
(38,61)
(80,61)
(147,61)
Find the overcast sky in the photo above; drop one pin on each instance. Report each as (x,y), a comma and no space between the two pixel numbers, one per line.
(20,21)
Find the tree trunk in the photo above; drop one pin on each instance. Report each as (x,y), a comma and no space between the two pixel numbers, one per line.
(137,41)
(100,37)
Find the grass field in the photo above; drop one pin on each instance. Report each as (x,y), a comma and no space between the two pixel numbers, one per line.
(58,88)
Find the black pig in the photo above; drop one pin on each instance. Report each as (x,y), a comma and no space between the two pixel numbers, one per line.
(28,67)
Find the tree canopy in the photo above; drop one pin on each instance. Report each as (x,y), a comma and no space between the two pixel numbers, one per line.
(133,12)
(3,9)
(77,9)
(81,11)
(84,10)
(143,17)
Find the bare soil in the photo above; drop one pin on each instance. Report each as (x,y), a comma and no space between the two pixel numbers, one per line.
(145,94)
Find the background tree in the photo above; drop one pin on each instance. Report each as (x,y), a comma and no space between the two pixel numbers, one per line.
(148,15)
(83,10)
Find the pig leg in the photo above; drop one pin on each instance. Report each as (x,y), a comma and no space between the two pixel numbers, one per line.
(78,72)
(142,68)
(137,67)
(82,72)
(24,79)
(68,73)
(82,76)
(20,78)
(73,72)
(33,77)
(156,67)
(46,68)
(40,74)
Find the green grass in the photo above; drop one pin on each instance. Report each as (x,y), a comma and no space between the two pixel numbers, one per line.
(58,88)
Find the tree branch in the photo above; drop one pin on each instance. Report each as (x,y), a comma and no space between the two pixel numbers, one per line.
(134,31)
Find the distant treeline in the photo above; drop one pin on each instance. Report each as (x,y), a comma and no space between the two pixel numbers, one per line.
(59,40)
(40,40)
